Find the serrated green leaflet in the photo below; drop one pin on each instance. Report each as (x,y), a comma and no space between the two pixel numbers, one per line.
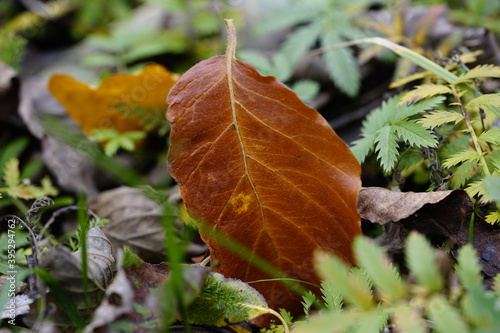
(423,91)
(468,269)
(384,275)
(478,72)
(223,301)
(11,173)
(409,319)
(415,134)
(438,118)
(341,65)
(336,273)
(463,173)
(386,148)
(490,136)
(420,260)
(444,317)
(461,156)
(488,100)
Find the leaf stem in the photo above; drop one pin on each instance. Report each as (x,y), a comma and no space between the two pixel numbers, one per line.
(473,135)
(231,38)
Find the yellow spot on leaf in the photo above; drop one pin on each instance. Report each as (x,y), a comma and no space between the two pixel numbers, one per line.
(241,202)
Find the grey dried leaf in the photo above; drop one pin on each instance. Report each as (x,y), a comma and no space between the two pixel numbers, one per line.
(66,268)
(135,221)
(381,206)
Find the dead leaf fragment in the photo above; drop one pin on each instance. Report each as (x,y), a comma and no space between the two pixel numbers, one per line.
(381,206)
(107,106)
(263,168)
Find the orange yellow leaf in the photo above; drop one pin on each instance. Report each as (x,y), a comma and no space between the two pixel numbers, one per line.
(110,104)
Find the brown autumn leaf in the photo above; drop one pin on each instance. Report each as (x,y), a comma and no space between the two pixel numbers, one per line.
(110,104)
(260,166)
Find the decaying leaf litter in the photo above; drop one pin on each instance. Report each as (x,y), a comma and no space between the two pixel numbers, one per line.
(135,233)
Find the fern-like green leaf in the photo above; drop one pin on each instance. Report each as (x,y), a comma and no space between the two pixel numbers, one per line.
(415,134)
(341,64)
(440,117)
(300,41)
(445,318)
(478,189)
(409,320)
(468,269)
(372,321)
(387,148)
(383,274)
(479,72)
(483,101)
(11,173)
(291,16)
(335,272)
(461,156)
(331,296)
(490,136)
(493,217)
(423,91)
(463,173)
(495,160)
(420,260)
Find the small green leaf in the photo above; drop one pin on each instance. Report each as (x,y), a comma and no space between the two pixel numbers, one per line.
(421,262)
(444,317)
(414,134)
(384,275)
(480,71)
(409,319)
(341,65)
(468,269)
(463,173)
(484,100)
(300,41)
(440,117)
(257,60)
(490,136)
(335,273)
(493,217)
(306,89)
(423,91)
(387,148)
(331,296)
(11,173)
(461,156)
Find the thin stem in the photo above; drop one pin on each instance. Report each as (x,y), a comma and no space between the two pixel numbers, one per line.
(399,50)
(231,39)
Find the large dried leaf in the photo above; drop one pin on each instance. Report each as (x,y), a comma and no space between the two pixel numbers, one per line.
(118,96)
(441,216)
(134,221)
(263,168)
